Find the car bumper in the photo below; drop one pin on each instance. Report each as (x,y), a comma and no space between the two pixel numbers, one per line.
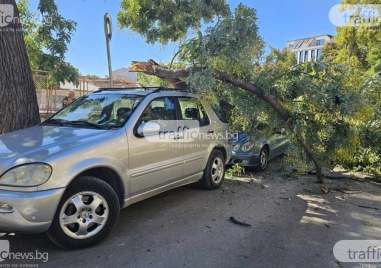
(28,212)
(244,160)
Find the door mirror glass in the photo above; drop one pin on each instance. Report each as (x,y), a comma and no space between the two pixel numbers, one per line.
(148,129)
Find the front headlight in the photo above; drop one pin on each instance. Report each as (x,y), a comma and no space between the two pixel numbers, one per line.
(27,175)
(248,146)
(236,147)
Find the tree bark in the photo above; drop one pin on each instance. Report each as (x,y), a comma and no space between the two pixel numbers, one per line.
(18,100)
(174,77)
(168,75)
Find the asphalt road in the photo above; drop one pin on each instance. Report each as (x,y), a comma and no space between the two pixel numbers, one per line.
(292,225)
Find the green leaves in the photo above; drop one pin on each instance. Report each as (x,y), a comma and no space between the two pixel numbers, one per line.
(234,34)
(57,34)
(335,104)
(168,20)
(47,42)
(232,45)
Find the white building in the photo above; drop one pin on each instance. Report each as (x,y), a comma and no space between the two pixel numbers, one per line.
(122,78)
(125,74)
(50,100)
(309,49)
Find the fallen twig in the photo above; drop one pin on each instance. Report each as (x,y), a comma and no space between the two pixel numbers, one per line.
(349,191)
(325,189)
(233,220)
(363,206)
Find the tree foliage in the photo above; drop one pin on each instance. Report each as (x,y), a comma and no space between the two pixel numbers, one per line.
(357,50)
(331,108)
(47,40)
(168,20)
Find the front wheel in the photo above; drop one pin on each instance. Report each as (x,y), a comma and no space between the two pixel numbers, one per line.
(87,213)
(263,160)
(214,173)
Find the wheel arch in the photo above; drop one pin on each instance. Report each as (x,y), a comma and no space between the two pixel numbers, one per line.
(222,149)
(107,175)
(267,147)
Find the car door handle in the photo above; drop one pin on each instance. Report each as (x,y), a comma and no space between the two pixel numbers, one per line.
(210,132)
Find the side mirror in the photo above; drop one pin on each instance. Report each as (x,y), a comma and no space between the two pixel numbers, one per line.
(148,129)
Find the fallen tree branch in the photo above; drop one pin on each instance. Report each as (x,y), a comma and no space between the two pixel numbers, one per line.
(175,79)
(343,175)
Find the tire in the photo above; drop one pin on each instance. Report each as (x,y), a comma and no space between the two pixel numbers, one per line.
(86,214)
(263,160)
(214,173)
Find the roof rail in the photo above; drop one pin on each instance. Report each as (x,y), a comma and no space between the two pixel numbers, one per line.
(122,88)
(155,89)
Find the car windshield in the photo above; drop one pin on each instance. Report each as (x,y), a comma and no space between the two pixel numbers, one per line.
(101,111)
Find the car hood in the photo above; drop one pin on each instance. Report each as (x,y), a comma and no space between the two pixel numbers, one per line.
(38,143)
(240,138)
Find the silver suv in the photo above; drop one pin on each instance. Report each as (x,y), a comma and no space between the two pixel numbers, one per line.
(71,175)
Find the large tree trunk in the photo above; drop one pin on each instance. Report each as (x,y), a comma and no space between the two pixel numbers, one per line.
(18,100)
(174,77)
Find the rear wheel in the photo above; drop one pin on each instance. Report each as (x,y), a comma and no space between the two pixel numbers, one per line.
(87,213)
(263,159)
(214,173)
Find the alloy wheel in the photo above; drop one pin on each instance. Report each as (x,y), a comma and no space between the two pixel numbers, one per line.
(84,215)
(217,170)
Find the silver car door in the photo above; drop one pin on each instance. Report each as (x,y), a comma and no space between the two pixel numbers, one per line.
(154,161)
(195,142)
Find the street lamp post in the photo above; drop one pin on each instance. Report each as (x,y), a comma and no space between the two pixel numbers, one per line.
(108,33)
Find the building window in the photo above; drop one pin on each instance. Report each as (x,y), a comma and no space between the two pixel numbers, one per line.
(313,55)
(320,42)
(300,56)
(306,56)
(318,53)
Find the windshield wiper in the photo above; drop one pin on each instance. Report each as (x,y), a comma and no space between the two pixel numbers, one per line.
(54,121)
(83,123)
(62,122)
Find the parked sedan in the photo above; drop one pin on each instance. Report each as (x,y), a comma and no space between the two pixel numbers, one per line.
(257,153)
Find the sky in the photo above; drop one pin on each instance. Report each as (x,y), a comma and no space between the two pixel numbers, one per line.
(278,21)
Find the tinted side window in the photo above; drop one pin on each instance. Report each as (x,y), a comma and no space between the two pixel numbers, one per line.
(223,111)
(159,109)
(191,109)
